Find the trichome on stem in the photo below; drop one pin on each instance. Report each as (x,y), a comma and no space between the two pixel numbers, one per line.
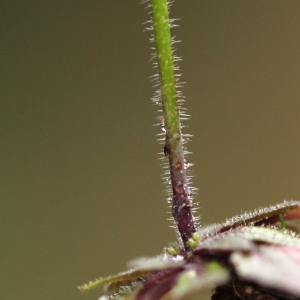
(219,260)
(173,148)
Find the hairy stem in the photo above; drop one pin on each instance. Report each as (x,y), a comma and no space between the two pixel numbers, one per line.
(181,202)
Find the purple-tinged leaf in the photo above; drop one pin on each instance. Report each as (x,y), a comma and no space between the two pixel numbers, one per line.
(158,284)
(196,280)
(250,245)
(245,239)
(274,267)
(261,217)
(264,216)
(269,235)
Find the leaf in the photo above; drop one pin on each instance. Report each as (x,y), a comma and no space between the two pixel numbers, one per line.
(192,282)
(249,245)
(264,216)
(158,263)
(276,267)
(261,217)
(141,268)
(116,281)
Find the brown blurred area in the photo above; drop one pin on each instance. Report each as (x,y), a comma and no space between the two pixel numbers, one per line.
(81,187)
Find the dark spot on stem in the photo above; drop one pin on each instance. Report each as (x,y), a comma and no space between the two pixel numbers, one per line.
(166,150)
(178,166)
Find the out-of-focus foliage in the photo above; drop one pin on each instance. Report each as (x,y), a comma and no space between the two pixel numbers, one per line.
(253,247)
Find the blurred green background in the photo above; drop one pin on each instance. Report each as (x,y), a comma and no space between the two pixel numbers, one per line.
(81,187)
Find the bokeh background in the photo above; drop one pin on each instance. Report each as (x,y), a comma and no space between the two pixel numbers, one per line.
(81,187)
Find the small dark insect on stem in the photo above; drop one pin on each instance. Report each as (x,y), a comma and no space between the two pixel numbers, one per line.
(173,148)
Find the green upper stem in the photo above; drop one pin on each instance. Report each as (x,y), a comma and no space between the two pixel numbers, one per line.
(181,202)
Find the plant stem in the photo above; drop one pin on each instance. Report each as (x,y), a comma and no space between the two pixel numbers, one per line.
(181,201)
